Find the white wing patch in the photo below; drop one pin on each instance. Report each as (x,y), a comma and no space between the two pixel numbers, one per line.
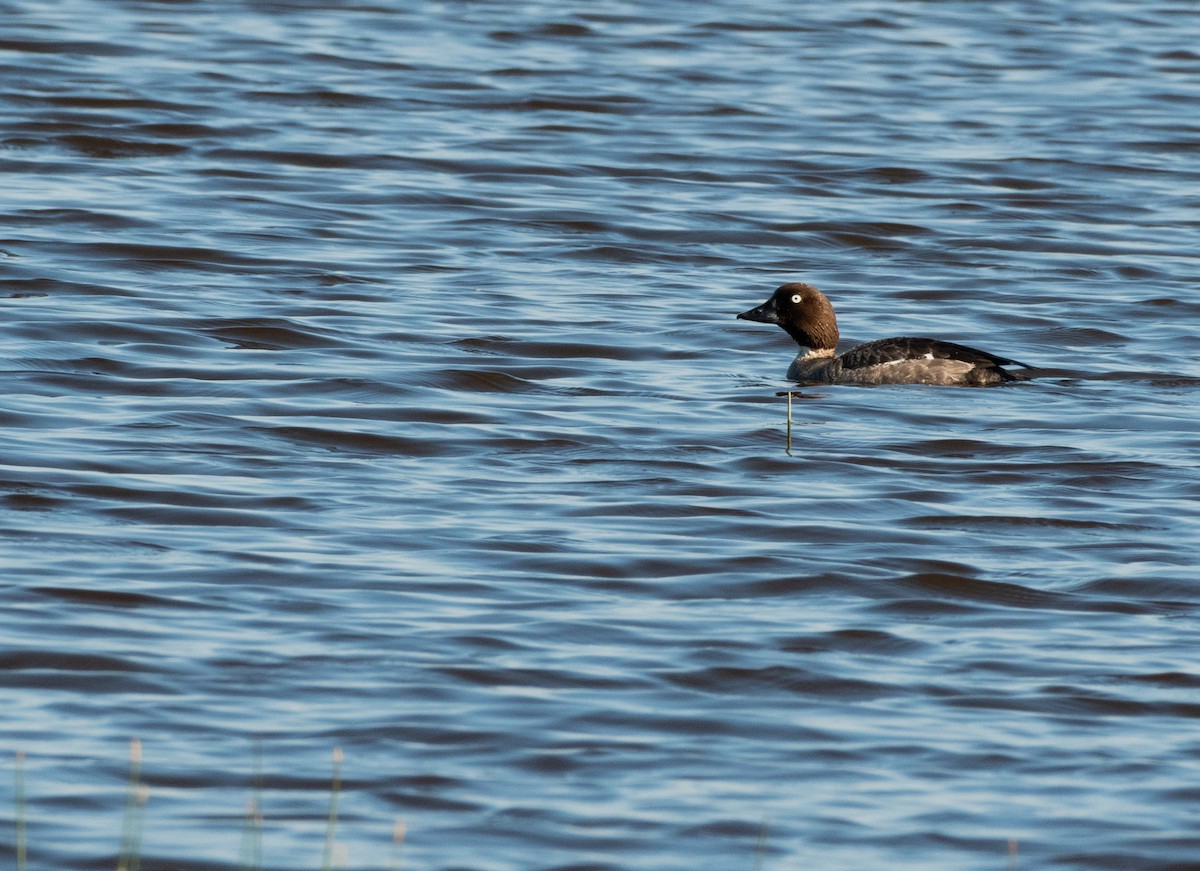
(909,359)
(900,360)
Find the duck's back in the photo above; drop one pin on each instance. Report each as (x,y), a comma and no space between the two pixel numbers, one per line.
(913,360)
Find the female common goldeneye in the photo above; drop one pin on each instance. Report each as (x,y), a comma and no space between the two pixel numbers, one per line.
(806,315)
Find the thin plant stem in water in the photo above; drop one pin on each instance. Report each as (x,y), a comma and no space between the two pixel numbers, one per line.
(19,808)
(1012,854)
(789,394)
(251,853)
(331,827)
(760,849)
(135,803)
(789,425)
(398,833)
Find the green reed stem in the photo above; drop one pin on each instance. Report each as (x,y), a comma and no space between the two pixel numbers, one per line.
(250,858)
(135,803)
(331,827)
(760,849)
(789,434)
(398,844)
(19,808)
(788,394)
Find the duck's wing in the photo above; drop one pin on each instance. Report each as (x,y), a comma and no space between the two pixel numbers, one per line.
(883,352)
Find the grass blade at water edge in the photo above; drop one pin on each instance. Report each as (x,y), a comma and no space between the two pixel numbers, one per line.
(331,827)
(19,808)
(398,833)
(135,803)
(250,856)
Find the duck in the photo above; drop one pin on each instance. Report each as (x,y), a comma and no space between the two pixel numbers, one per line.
(807,316)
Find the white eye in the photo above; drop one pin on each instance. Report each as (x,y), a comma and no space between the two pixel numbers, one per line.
(796,297)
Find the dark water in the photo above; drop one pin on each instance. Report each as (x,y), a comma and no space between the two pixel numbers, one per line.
(371,381)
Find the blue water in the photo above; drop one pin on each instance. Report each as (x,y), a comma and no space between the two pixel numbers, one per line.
(372,382)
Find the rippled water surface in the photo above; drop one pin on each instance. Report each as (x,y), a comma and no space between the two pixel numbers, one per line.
(371,380)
